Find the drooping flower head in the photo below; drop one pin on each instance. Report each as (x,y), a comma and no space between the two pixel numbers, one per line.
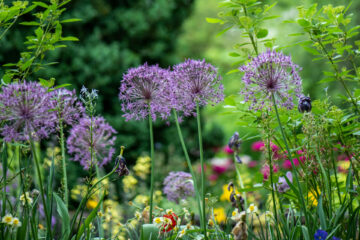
(282,185)
(196,81)
(178,186)
(304,104)
(271,73)
(103,140)
(142,87)
(66,106)
(25,109)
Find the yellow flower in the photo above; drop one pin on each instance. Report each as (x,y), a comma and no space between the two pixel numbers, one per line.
(41,227)
(129,183)
(312,199)
(141,199)
(226,193)
(142,167)
(220,215)
(16,222)
(26,199)
(7,219)
(78,192)
(91,203)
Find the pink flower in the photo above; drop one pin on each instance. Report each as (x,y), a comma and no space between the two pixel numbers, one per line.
(252,164)
(265,170)
(258,146)
(228,150)
(220,165)
(213,177)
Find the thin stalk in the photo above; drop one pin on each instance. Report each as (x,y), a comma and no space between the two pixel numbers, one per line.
(101,230)
(290,158)
(240,181)
(152,164)
(63,161)
(202,221)
(271,179)
(202,165)
(36,160)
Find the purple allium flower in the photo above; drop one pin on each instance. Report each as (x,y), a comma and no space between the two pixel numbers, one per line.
(178,185)
(25,110)
(143,86)
(79,142)
(67,106)
(195,81)
(271,73)
(282,185)
(320,235)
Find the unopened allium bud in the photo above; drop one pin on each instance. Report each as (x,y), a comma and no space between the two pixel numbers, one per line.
(304,104)
(235,141)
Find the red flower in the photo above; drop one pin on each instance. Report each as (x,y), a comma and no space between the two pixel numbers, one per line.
(173,218)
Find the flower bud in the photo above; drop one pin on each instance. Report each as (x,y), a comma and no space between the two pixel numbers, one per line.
(304,104)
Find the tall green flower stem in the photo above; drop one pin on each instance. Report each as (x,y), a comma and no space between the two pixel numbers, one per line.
(42,192)
(63,163)
(202,221)
(152,165)
(271,178)
(290,158)
(101,230)
(202,166)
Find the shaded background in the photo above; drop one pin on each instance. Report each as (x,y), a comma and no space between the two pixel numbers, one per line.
(116,35)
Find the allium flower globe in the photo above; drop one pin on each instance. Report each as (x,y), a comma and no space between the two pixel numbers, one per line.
(271,73)
(79,142)
(25,109)
(67,106)
(142,87)
(178,186)
(195,81)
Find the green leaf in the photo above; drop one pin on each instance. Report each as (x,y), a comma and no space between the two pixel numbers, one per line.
(311,50)
(305,232)
(62,85)
(41,4)
(32,23)
(214,20)
(223,31)
(262,33)
(233,71)
(70,38)
(234,54)
(70,20)
(321,213)
(89,219)
(303,22)
(64,215)
(149,232)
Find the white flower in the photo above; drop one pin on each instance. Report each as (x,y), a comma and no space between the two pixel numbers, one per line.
(16,222)
(7,219)
(169,211)
(252,209)
(237,216)
(26,199)
(182,233)
(158,221)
